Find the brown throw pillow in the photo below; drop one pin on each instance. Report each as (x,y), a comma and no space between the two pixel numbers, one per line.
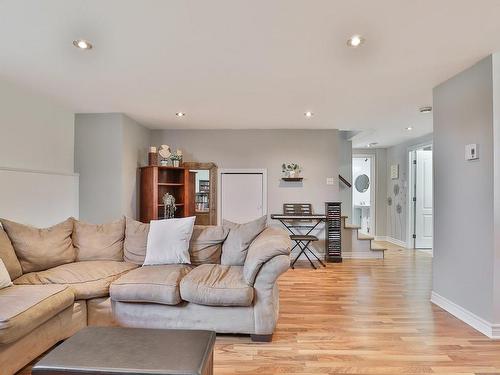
(235,247)
(8,255)
(99,241)
(205,246)
(41,249)
(136,239)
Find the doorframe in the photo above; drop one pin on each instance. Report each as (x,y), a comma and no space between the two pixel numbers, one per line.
(222,171)
(410,210)
(373,189)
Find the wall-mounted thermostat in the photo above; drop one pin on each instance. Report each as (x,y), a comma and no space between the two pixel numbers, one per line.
(471,152)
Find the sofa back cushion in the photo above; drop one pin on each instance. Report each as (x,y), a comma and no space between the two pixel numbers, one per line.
(205,246)
(136,239)
(99,241)
(5,280)
(235,247)
(40,249)
(8,255)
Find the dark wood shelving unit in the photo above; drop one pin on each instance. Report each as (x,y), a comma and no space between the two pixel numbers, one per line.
(156,181)
(333,245)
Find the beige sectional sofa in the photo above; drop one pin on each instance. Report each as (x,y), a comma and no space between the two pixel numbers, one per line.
(103,283)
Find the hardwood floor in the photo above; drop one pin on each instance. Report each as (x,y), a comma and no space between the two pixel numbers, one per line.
(361,317)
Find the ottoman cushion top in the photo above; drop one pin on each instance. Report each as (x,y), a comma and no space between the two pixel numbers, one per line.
(137,351)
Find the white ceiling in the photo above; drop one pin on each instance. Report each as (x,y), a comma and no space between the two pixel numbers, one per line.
(249,64)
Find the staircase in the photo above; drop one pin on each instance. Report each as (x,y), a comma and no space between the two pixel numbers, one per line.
(358,245)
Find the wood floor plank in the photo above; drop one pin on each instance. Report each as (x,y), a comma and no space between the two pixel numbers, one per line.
(361,317)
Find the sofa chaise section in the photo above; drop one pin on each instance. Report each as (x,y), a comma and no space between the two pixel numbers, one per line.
(87,279)
(32,319)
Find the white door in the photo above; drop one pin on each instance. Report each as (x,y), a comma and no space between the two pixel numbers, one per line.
(242,196)
(423,204)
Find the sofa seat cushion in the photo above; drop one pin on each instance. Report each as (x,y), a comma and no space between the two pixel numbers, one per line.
(216,285)
(90,279)
(151,284)
(25,307)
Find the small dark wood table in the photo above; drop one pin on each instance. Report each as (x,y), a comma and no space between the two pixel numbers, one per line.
(132,351)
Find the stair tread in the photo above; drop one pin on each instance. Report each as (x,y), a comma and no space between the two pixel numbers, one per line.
(377,247)
(351,226)
(362,236)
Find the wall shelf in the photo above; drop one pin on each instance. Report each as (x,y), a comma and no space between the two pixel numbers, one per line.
(292,179)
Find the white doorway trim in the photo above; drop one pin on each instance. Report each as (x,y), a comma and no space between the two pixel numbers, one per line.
(221,171)
(410,212)
(373,190)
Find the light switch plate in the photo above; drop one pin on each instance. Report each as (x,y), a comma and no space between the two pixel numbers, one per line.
(330,181)
(471,152)
(395,171)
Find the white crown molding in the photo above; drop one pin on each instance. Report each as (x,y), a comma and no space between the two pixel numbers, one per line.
(486,328)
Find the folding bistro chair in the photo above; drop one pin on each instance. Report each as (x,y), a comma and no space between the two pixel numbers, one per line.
(302,240)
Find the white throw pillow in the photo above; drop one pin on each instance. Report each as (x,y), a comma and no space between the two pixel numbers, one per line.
(168,241)
(4,276)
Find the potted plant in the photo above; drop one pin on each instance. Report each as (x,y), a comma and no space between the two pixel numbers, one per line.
(176,158)
(291,170)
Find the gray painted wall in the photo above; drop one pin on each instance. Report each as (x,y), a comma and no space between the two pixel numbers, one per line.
(108,149)
(36,132)
(97,159)
(397,212)
(134,155)
(463,262)
(315,150)
(496,184)
(345,170)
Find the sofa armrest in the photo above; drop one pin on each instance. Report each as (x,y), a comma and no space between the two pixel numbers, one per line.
(270,243)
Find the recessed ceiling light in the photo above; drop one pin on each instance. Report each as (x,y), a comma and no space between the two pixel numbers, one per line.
(355,41)
(371,144)
(427,109)
(409,128)
(180,114)
(308,114)
(82,44)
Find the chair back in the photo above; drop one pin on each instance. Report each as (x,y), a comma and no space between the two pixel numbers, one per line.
(297,208)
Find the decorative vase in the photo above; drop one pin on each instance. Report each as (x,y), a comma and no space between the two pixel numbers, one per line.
(291,174)
(177,163)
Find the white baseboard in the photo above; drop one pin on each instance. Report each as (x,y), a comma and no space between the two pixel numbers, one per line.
(486,328)
(363,255)
(391,240)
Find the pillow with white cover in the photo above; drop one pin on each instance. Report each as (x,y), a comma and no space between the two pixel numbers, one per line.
(4,276)
(168,241)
